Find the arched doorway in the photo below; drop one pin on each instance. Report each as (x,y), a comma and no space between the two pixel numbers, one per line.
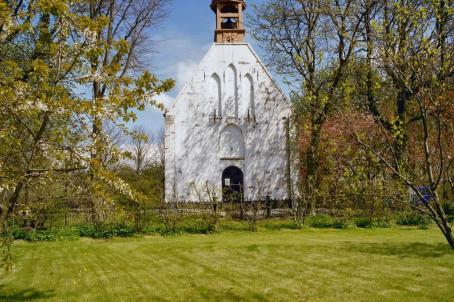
(232,185)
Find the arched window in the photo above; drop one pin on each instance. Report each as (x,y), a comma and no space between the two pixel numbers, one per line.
(247,108)
(214,93)
(229,23)
(230,93)
(232,143)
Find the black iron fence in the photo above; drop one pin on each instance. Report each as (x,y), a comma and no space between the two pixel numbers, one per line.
(66,217)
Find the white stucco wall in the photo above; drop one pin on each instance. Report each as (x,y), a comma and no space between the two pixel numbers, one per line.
(230,114)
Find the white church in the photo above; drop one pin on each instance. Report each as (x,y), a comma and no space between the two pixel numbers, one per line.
(228,130)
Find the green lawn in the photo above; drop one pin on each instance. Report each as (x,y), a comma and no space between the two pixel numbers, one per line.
(309,265)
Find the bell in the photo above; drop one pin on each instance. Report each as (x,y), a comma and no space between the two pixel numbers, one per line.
(230,24)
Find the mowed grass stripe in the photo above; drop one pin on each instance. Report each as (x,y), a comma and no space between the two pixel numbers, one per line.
(309,265)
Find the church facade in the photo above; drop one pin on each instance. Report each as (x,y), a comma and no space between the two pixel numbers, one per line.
(227,134)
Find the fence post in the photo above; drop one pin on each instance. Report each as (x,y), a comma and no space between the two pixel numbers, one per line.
(268,206)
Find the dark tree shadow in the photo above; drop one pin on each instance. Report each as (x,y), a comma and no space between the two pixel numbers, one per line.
(403,250)
(25,295)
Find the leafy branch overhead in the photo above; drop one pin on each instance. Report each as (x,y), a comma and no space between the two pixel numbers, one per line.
(68,69)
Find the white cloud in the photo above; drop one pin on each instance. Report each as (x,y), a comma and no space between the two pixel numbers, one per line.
(184,71)
(177,55)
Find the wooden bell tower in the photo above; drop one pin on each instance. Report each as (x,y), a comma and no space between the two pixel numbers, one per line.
(229,21)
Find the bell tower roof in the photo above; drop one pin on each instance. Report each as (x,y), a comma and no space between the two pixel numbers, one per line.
(229,20)
(214,3)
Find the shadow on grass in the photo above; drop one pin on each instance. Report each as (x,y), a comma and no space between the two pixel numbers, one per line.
(25,295)
(403,250)
(231,295)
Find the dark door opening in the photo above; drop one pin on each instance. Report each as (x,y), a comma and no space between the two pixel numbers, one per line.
(232,185)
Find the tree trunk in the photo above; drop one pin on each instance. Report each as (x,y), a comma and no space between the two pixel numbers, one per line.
(448,234)
(313,166)
(8,209)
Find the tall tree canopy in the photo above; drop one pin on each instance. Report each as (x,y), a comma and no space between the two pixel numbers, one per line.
(67,68)
(373,96)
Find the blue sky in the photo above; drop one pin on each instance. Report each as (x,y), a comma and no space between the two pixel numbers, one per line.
(181,41)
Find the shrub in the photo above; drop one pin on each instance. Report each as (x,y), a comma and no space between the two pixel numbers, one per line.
(154,229)
(45,235)
(363,222)
(448,208)
(322,221)
(380,223)
(123,230)
(278,224)
(86,230)
(413,219)
(20,234)
(42,236)
(197,226)
(340,224)
(233,225)
(106,230)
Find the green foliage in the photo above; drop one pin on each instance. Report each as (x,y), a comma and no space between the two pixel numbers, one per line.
(41,236)
(325,221)
(204,225)
(20,234)
(365,222)
(229,225)
(149,184)
(381,223)
(197,226)
(154,229)
(191,225)
(340,224)
(278,224)
(100,231)
(321,221)
(448,208)
(5,246)
(368,120)
(52,53)
(107,230)
(46,235)
(413,219)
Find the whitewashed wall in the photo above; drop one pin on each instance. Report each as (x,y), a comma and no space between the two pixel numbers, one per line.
(230,114)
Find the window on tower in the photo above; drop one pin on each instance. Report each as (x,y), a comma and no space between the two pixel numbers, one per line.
(229,9)
(230,23)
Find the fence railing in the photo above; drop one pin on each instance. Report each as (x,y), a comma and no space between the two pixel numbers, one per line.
(59,218)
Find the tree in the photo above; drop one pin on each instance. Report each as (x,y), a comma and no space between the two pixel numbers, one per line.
(118,53)
(413,54)
(377,98)
(312,42)
(113,154)
(141,150)
(48,52)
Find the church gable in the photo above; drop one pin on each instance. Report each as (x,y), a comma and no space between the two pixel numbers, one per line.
(230,81)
